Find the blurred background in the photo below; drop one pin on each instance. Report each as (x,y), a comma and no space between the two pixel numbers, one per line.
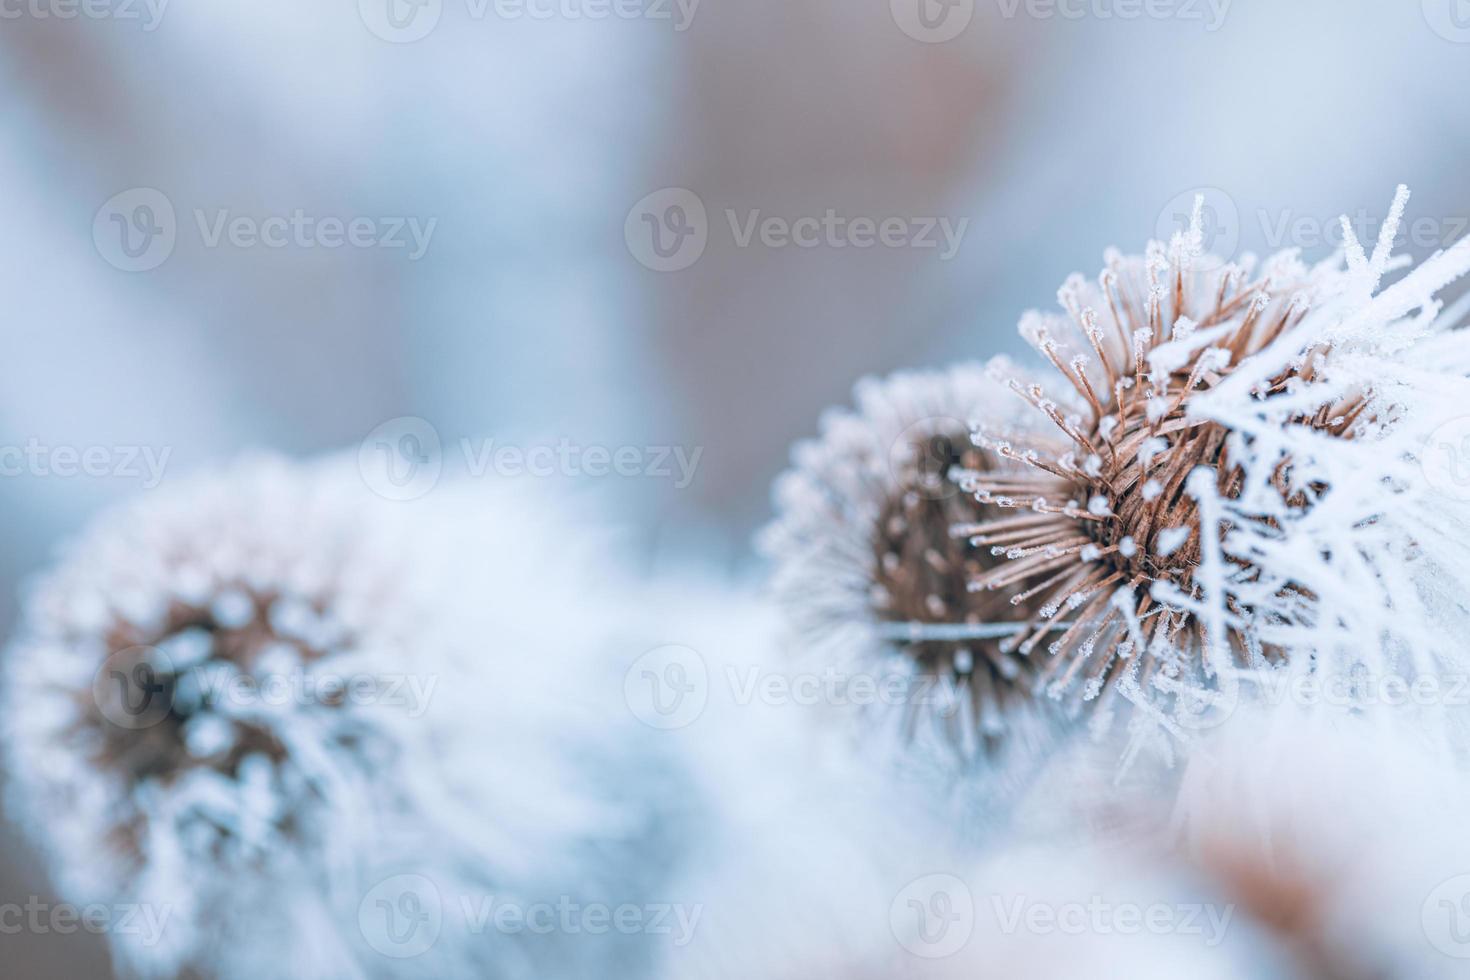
(670,228)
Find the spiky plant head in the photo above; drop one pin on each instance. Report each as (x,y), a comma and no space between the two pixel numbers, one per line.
(1188,429)
(254,696)
(868,563)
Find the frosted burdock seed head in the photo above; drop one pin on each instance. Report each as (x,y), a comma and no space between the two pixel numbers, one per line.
(872,559)
(168,724)
(251,697)
(1223,404)
(1139,498)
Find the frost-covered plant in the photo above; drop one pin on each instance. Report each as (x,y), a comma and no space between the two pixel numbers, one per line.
(280,711)
(870,571)
(1221,478)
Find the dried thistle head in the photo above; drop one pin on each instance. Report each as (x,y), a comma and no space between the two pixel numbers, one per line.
(921,567)
(868,562)
(199,683)
(254,695)
(1116,501)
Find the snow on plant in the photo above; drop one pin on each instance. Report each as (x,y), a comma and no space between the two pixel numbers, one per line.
(268,702)
(1221,479)
(873,577)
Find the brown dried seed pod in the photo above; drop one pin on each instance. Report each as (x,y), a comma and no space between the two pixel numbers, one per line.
(868,559)
(1104,503)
